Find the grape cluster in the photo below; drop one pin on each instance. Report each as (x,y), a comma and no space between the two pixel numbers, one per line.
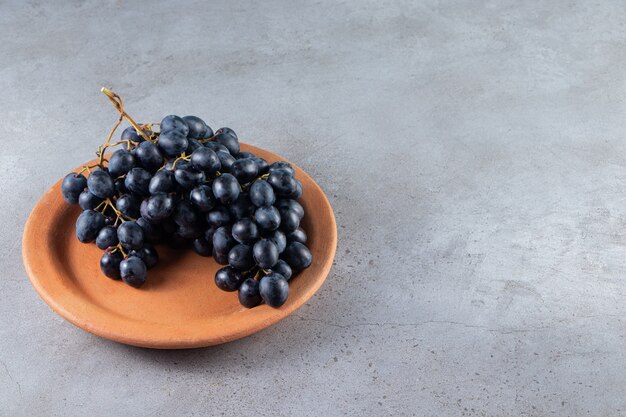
(186,185)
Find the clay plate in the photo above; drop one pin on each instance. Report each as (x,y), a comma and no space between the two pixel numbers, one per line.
(179,306)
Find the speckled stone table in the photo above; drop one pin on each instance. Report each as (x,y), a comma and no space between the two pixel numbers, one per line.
(475,156)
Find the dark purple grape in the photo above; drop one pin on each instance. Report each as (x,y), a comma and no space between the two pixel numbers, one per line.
(202,197)
(245,231)
(110,264)
(290,204)
(107,237)
(208,234)
(149,156)
(158,207)
(218,217)
(245,170)
(147,254)
(88,201)
(162,182)
(101,184)
(151,232)
(265,253)
(297,192)
(226,161)
(226,188)
(223,240)
(282,181)
(298,235)
(197,127)
(187,176)
(88,225)
(274,289)
(268,218)
(281,267)
(189,231)
(289,220)
(216,147)
(120,163)
(138,181)
(130,235)
(205,159)
(297,256)
(72,186)
(227,130)
(228,279)
(262,194)
(172,143)
(229,139)
(176,123)
(133,271)
(120,187)
(279,239)
(192,145)
(128,205)
(243,155)
(282,165)
(264,167)
(249,295)
(240,257)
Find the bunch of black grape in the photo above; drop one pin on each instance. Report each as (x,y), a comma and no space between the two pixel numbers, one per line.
(186,185)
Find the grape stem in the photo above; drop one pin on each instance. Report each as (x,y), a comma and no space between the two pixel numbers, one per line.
(183,157)
(87,168)
(119,105)
(119,247)
(119,216)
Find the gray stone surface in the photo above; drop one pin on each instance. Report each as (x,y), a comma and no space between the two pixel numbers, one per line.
(474,154)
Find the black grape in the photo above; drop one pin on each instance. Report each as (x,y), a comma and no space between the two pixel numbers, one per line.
(133,271)
(110,264)
(72,186)
(274,289)
(175,123)
(228,279)
(101,184)
(130,235)
(88,225)
(240,257)
(107,237)
(249,295)
(297,256)
(265,253)
(226,188)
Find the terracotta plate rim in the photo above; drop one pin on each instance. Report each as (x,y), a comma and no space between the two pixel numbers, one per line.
(78,310)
